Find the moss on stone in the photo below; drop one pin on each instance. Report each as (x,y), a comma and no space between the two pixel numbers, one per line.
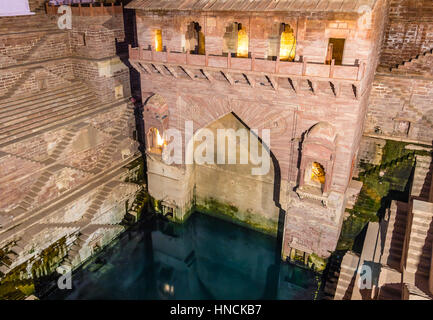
(21,280)
(231,213)
(381,183)
(137,173)
(141,203)
(316,263)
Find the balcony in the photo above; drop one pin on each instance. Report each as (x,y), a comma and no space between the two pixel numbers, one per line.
(296,71)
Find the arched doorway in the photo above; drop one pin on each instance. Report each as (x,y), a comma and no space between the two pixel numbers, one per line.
(155,141)
(195,39)
(236,40)
(287,43)
(230,190)
(282,42)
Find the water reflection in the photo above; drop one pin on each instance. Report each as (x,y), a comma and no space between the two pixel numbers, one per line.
(205,258)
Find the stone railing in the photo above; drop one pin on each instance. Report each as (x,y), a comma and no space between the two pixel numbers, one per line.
(304,194)
(296,69)
(88,9)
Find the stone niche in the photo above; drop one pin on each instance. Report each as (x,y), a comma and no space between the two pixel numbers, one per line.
(317,162)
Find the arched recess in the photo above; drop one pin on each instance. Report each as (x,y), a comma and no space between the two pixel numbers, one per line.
(154,140)
(236,40)
(157,40)
(282,42)
(156,120)
(195,39)
(317,158)
(234,190)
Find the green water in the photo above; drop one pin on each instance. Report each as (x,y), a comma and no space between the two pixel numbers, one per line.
(204,258)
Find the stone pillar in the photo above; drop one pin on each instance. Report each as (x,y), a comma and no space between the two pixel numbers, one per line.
(171,185)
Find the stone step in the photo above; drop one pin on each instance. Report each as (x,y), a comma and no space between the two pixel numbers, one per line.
(397,236)
(32,193)
(423,215)
(50,112)
(397,230)
(419,270)
(423,259)
(75,86)
(4,269)
(50,121)
(87,216)
(421,235)
(24,114)
(389,293)
(43,99)
(38,184)
(421,223)
(420,250)
(19,210)
(395,253)
(17,249)
(97,203)
(394,242)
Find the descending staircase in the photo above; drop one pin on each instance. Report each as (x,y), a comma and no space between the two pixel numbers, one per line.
(19,55)
(99,200)
(30,197)
(420,243)
(84,236)
(17,251)
(332,276)
(390,291)
(389,164)
(393,248)
(29,200)
(18,83)
(422,178)
(419,64)
(64,143)
(347,275)
(108,153)
(116,132)
(22,116)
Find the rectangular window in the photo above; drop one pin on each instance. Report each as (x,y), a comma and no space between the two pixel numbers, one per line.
(335,51)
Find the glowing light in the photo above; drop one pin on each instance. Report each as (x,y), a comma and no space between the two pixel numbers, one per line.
(159,140)
(168,288)
(317,173)
(287,44)
(242,43)
(158,40)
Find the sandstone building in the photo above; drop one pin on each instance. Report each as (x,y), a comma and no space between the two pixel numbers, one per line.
(301,69)
(333,81)
(398,248)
